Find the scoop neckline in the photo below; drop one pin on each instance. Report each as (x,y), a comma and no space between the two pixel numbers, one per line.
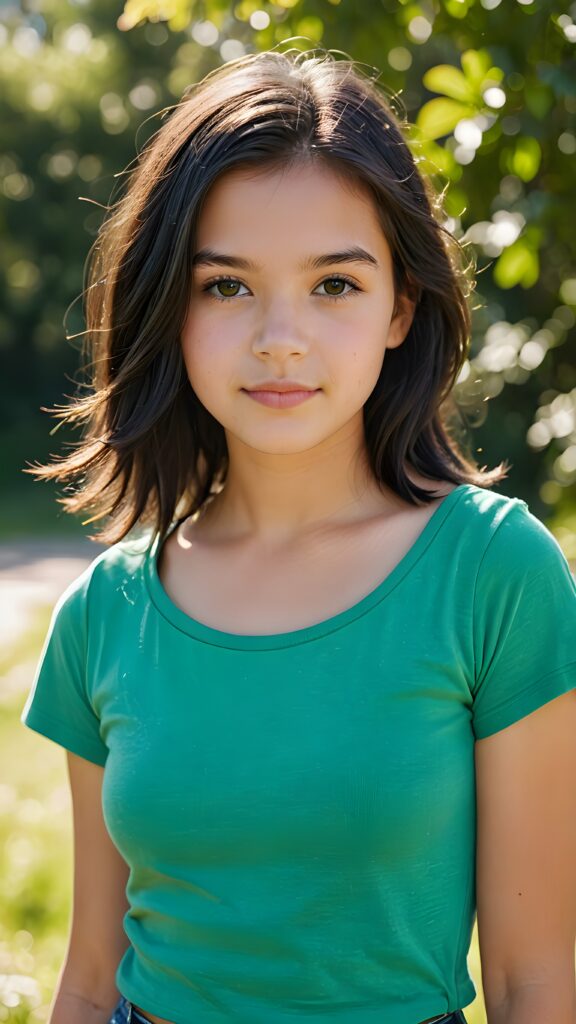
(258,641)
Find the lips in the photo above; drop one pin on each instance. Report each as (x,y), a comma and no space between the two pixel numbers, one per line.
(281,399)
(280,387)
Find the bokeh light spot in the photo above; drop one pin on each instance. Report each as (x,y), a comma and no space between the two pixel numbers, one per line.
(205,33)
(420,29)
(399,58)
(495,97)
(259,20)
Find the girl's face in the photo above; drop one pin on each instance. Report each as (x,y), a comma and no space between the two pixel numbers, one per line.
(267,312)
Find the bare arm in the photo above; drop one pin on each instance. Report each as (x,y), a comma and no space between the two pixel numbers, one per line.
(535,1004)
(526,867)
(69,1008)
(86,991)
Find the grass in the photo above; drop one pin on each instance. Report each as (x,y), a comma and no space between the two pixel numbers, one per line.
(35,847)
(36,860)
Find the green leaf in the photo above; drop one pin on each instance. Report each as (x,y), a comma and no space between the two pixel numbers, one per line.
(176,12)
(476,64)
(458,8)
(439,117)
(449,81)
(311,27)
(518,264)
(494,75)
(245,9)
(456,202)
(436,159)
(526,158)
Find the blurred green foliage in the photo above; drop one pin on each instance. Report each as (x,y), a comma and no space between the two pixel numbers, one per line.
(489,93)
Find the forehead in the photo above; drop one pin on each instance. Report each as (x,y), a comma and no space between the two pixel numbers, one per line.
(294,206)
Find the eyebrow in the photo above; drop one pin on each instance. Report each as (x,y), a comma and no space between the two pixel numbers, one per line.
(208,257)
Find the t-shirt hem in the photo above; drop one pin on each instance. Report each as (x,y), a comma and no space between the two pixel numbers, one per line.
(409,1013)
(545,689)
(54,730)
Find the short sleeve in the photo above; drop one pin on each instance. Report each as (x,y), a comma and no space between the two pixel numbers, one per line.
(524,623)
(58,705)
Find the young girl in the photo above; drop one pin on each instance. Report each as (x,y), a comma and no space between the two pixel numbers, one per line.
(320,712)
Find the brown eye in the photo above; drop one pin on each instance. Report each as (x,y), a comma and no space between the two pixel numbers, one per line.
(223,283)
(338,281)
(227,284)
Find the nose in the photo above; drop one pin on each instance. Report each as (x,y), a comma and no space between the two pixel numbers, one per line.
(280,332)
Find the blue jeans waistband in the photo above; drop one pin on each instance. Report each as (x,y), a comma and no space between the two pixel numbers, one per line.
(125,1013)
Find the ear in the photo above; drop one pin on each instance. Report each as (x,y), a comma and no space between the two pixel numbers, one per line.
(404,310)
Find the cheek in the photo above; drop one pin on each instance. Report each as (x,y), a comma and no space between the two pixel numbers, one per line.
(198,368)
(200,351)
(358,354)
(364,368)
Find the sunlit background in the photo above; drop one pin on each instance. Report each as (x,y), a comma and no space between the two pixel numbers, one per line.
(489,90)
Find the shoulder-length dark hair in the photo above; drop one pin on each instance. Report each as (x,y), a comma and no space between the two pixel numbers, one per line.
(150,451)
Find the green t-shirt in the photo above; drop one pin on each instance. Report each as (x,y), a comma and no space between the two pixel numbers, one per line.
(298,810)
